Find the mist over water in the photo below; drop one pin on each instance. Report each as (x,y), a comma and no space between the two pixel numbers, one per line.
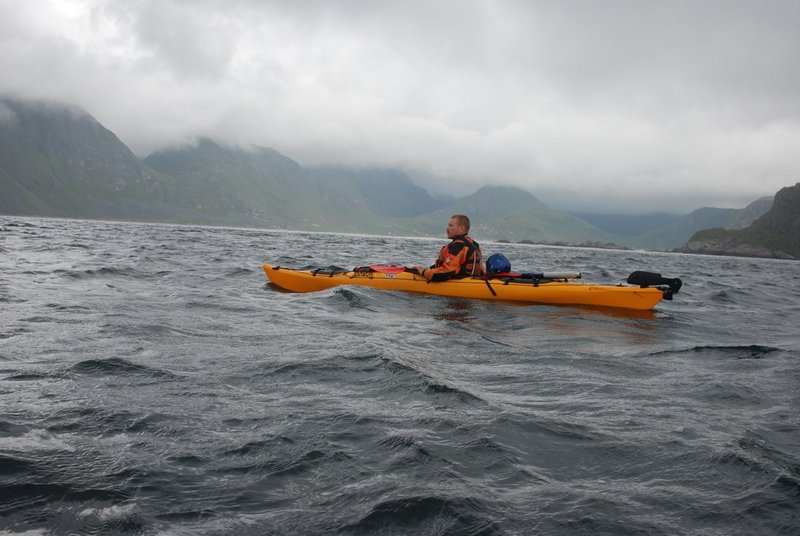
(152,382)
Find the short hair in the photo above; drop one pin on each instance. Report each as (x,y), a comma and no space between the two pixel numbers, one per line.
(461,220)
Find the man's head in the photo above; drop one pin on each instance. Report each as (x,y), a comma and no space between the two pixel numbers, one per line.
(458,225)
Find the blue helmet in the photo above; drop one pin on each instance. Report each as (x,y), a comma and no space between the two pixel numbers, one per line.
(497,263)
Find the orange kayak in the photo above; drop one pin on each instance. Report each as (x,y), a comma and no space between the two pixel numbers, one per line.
(551,291)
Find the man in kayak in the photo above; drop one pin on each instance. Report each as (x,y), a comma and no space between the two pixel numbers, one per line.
(460,258)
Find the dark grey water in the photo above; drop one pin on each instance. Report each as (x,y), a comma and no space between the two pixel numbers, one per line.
(151,382)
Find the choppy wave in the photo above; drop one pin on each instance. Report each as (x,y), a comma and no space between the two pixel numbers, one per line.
(744,351)
(426,514)
(116,366)
(151,381)
(103,271)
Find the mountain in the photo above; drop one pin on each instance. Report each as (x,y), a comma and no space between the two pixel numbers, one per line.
(234,186)
(509,213)
(261,187)
(775,234)
(751,212)
(677,232)
(387,193)
(628,225)
(60,161)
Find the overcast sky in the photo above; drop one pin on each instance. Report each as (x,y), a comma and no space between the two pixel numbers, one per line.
(629,105)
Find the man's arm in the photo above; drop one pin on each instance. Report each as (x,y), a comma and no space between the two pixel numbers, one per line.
(456,255)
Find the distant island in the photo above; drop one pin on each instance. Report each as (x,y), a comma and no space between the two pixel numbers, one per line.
(57,160)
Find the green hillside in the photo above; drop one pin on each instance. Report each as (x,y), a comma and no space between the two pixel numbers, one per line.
(628,225)
(677,232)
(386,193)
(666,232)
(260,186)
(508,213)
(59,161)
(234,186)
(775,234)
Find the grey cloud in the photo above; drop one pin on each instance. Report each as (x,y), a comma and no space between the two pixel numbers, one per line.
(580,102)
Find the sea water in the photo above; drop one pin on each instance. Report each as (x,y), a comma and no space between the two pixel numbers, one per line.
(151,381)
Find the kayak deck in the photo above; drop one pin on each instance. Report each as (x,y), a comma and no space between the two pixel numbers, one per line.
(552,292)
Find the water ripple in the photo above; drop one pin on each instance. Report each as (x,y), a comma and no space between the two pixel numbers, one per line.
(152,383)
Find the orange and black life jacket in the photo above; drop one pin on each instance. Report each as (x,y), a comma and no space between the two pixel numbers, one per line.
(472,261)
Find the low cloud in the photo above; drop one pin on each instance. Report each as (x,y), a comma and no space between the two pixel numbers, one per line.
(591,106)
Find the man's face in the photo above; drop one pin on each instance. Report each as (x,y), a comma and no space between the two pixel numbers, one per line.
(454,229)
